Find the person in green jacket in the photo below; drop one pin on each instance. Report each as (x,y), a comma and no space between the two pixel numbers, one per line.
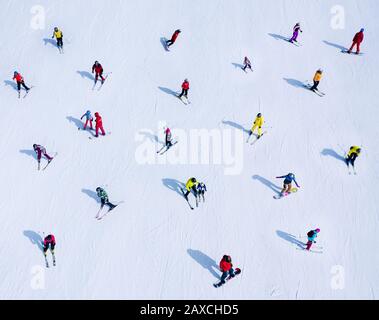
(104,198)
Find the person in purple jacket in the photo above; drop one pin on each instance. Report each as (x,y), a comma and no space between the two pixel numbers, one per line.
(296,30)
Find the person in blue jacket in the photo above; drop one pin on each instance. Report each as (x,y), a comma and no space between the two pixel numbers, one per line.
(287,183)
(312,235)
(89,119)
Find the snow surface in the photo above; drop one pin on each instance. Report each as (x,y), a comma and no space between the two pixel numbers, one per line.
(153,246)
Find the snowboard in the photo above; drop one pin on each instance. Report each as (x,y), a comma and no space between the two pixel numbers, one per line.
(236,273)
(285,194)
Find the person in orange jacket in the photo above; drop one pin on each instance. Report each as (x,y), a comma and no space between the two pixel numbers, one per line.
(99,125)
(226,268)
(316,79)
(20,81)
(185,88)
(173,38)
(357,40)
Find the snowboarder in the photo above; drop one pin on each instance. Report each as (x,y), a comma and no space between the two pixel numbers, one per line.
(99,125)
(49,243)
(201,188)
(287,183)
(57,34)
(191,185)
(185,88)
(258,122)
(316,79)
(173,38)
(98,69)
(89,119)
(247,64)
(312,235)
(226,267)
(357,40)
(352,155)
(296,30)
(41,151)
(20,81)
(104,199)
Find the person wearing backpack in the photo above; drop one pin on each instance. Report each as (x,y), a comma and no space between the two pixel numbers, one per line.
(312,235)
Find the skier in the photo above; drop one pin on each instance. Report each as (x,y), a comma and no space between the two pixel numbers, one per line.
(89,119)
(258,122)
(296,30)
(99,125)
(57,34)
(168,138)
(247,64)
(357,40)
(352,155)
(316,80)
(201,188)
(185,88)
(226,268)
(104,199)
(49,243)
(41,151)
(287,183)
(173,38)
(98,71)
(312,235)
(191,185)
(20,82)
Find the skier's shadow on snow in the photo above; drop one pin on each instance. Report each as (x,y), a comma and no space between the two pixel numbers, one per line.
(91,194)
(168,91)
(295,83)
(278,36)
(86,74)
(174,185)
(235,125)
(332,153)
(31,153)
(78,123)
(34,238)
(51,41)
(237,65)
(335,45)
(267,183)
(290,238)
(11,84)
(205,261)
(163,42)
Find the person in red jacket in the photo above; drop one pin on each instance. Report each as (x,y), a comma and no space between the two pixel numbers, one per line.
(357,40)
(185,88)
(226,268)
(98,71)
(49,242)
(99,125)
(173,38)
(20,81)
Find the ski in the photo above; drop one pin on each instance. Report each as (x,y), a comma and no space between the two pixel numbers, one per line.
(49,161)
(92,138)
(316,91)
(352,53)
(110,209)
(54,261)
(27,92)
(253,142)
(186,197)
(98,213)
(236,273)
(102,82)
(168,148)
(47,262)
(181,99)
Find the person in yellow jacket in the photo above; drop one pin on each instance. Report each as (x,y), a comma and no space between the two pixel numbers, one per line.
(258,123)
(352,155)
(191,185)
(59,36)
(316,79)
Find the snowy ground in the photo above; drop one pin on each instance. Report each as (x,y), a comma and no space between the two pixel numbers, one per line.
(153,246)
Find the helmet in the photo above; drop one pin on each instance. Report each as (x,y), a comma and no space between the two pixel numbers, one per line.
(178,30)
(34,146)
(56,29)
(320,70)
(96,62)
(15,72)
(259,115)
(98,189)
(185,80)
(358,150)
(193,180)
(96,114)
(362,30)
(88,111)
(227,258)
(291,174)
(317,230)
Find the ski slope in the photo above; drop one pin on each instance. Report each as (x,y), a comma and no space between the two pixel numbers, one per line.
(153,246)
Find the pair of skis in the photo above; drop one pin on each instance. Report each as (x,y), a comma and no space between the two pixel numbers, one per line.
(256,138)
(99,217)
(236,273)
(26,93)
(167,148)
(186,101)
(102,82)
(316,91)
(48,162)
